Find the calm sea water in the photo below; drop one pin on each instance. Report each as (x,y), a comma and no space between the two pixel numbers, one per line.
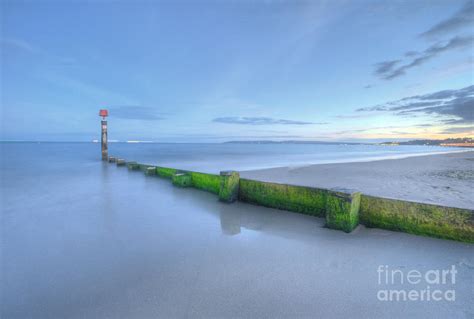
(84,239)
(213,158)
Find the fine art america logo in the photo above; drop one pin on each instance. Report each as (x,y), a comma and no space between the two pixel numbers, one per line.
(415,285)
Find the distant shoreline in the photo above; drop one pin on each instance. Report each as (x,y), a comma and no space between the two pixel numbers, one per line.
(392,157)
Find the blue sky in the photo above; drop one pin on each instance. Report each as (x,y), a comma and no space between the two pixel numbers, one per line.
(211,71)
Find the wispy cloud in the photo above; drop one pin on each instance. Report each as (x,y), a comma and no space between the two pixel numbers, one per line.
(240,137)
(87,89)
(461,19)
(133,112)
(394,68)
(401,133)
(385,67)
(391,69)
(27,47)
(456,106)
(411,53)
(459,130)
(355,116)
(383,128)
(259,121)
(19,44)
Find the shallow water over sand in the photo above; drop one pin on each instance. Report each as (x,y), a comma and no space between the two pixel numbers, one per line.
(85,239)
(212,158)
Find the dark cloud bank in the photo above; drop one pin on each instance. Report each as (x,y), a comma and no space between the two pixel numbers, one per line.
(455,106)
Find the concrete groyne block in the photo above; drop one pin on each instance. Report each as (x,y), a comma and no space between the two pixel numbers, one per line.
(182,179)
(299,199)
(418,218)
(229,188)
(207,182)
(112,159)
(342,210)
(133,165)
(120,162)
(150,170)
(165,172)
(143,167)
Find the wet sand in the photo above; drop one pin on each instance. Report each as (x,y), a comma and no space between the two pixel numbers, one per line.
(83,239)
(446,179)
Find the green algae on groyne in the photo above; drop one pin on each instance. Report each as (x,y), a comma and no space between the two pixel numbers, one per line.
(418,218)
(342,211)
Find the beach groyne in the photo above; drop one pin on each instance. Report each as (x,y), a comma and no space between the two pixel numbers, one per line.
(417,218)
(341,210)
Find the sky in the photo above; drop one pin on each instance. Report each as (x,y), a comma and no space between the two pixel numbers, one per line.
(214,71)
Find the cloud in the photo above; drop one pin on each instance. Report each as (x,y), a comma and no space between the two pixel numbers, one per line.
(447,94)
(459,130)
(391,69)
(456,106)
(355,116)
(87,90)
(385,67)
(388,70)
(244,136)
(401,133)
(259,121)
(133,112)
(461,108)
(461,19)
(411,53)
(353,131)
(19,44)
(383,128)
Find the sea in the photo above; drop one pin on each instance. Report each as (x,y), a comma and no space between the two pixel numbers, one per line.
(212,158)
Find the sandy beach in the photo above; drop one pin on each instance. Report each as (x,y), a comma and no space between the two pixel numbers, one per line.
(445,179)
